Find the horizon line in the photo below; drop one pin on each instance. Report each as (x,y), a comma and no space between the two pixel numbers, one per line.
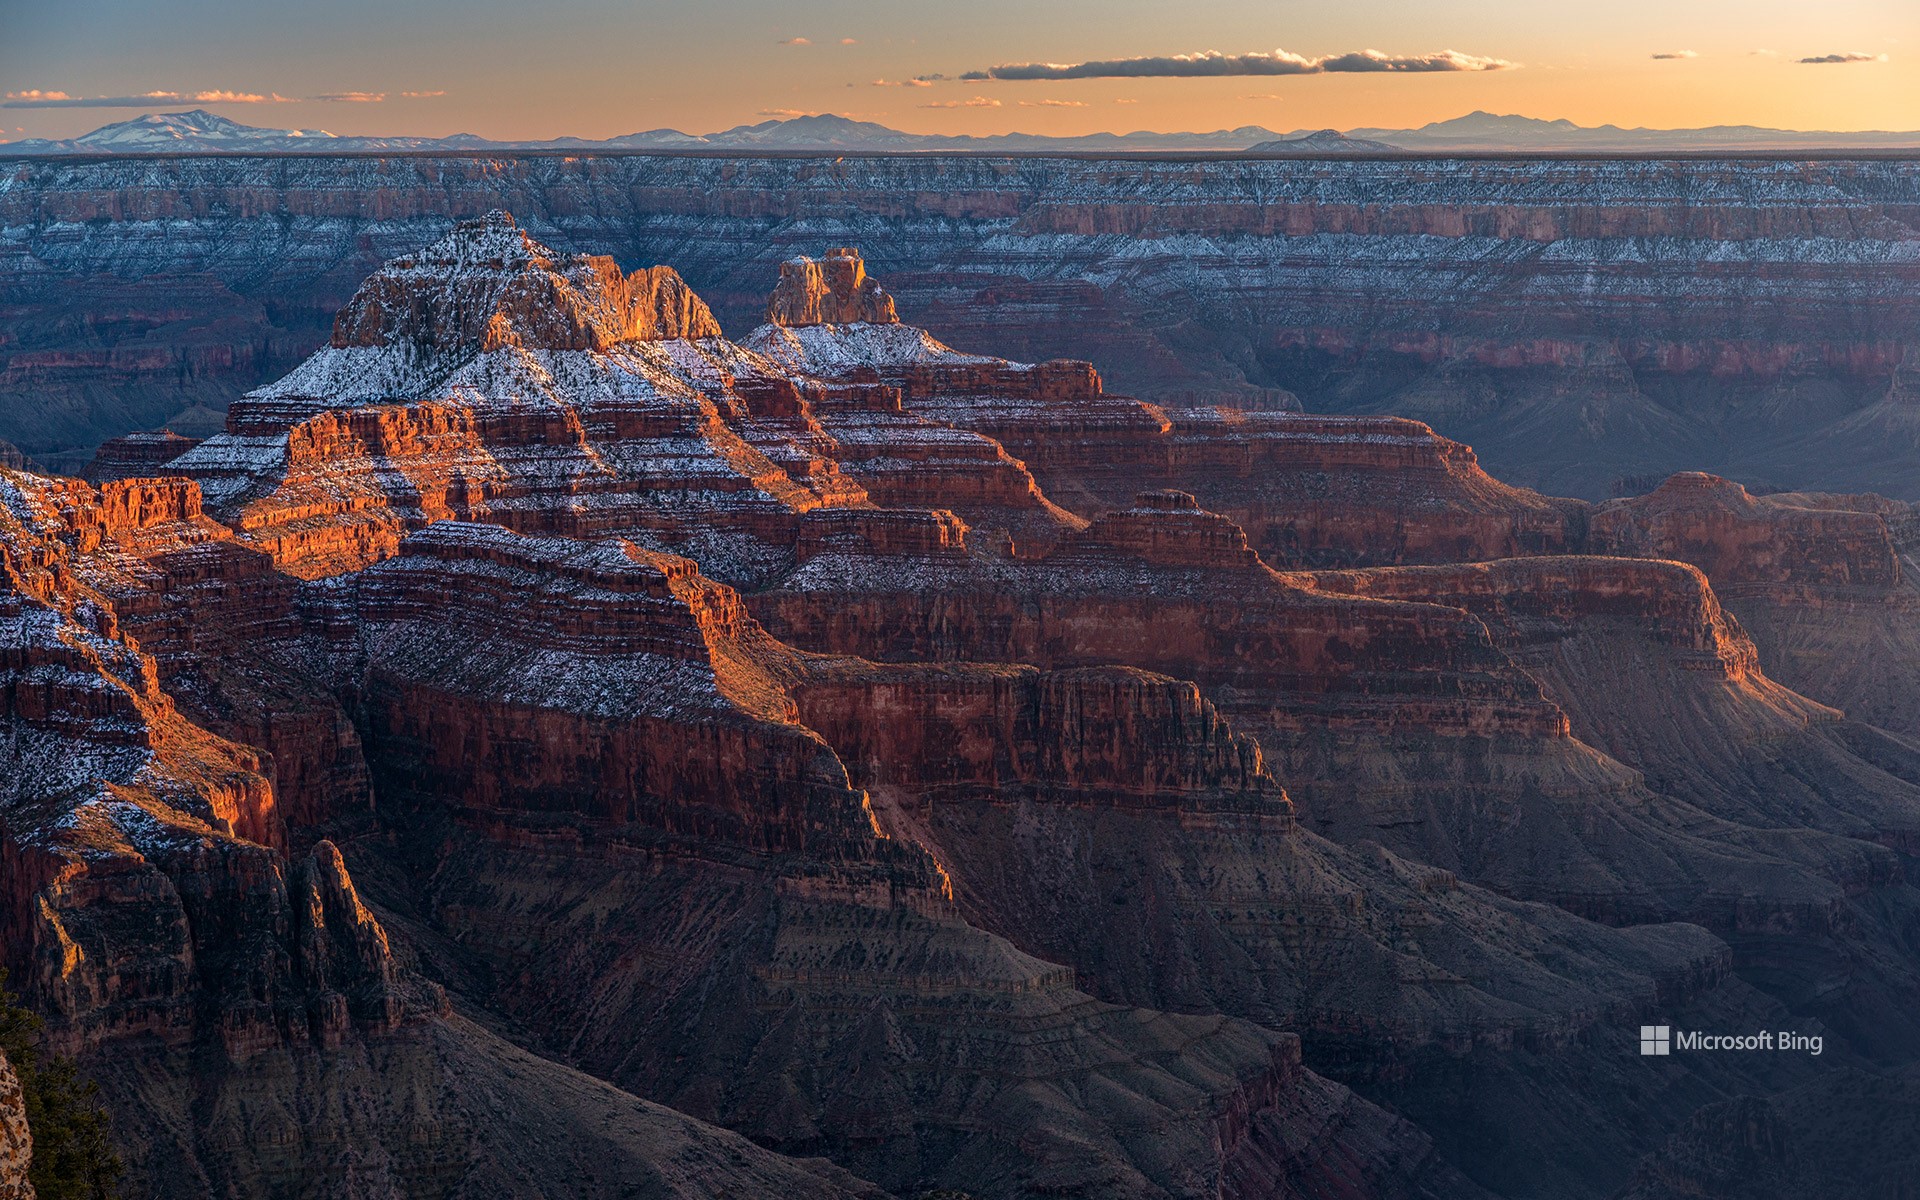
(541,142)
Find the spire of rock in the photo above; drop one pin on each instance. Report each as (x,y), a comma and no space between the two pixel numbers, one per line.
(487,285)
(832,290)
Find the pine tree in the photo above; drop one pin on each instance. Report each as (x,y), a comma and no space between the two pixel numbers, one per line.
(73,1154)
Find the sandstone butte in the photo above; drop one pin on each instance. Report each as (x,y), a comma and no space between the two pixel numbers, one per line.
(542,746)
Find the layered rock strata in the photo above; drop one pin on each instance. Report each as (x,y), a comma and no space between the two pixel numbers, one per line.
(490,379)
(135,455)
(1651,669)
(1309,491)
(165,943)
(848,1009)
(1824,583)
(223,629)
(1577,320)
(1337,687)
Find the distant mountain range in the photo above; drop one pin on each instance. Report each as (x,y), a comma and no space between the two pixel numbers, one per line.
(200,131)
(1322,141)
(1494,132)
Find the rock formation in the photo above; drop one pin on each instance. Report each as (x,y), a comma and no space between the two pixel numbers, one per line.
(490,286)
(832,290)
(1824,583)
(1310,491)
(1736,538)
(650,736)
(490,379)
(1599,633)
(135,455)
(339,954)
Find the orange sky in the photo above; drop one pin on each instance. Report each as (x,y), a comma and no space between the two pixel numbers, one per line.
(599,68)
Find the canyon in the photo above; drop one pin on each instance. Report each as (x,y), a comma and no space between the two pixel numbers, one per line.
(1589,325)
(539,745)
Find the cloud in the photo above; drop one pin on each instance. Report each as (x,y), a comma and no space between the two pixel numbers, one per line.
(796,41)
(1262,96)
(849,41)
(913,83)
(1212,63)
(36,98)
(353,97)
(1053,104)
(787,112)
(1765,53)
(1666,54)
(1126,102)
(1852,56)
(421,95)
(975,102)
(1369,61)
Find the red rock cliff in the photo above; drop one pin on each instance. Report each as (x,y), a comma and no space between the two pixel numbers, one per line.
(1737,538)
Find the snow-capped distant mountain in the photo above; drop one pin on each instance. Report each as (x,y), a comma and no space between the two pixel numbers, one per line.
(814,132)
(1485,131)
(200,131)
(828,131)
(170,131)
(1323,141)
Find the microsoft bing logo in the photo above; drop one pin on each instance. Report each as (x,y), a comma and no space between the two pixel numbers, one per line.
(1656,1039)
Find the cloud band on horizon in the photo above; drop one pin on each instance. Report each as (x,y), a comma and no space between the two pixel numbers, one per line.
(1213,64)
(1855,56)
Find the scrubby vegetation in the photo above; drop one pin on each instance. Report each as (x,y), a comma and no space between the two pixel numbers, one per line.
(73,1156)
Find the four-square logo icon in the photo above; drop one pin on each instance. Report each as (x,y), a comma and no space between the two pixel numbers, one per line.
(1656,1039)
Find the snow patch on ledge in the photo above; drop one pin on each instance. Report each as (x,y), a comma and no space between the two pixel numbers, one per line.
(830,351)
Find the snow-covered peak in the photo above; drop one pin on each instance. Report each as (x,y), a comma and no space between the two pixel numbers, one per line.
(488,284)
(491,243)
(1322,141)
(198,129)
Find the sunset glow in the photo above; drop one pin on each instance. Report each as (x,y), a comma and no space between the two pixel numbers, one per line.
(595,68)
